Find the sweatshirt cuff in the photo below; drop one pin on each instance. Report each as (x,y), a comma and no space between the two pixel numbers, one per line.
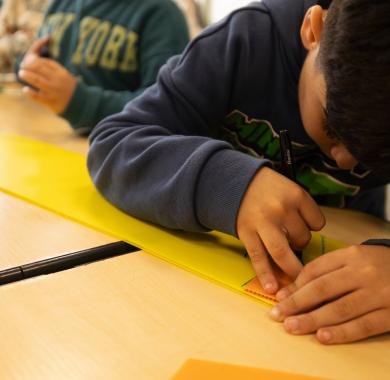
(221,187)
(76,111)
(385,242)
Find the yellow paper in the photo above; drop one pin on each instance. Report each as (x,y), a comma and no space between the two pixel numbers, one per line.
(57,180)
(205,370)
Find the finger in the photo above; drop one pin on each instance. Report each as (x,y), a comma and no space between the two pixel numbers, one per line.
(310,272)
(260,262)
(368,325)
(38,96)
(321,266)
(351,306)
(38,45)
(278,247)
(316,292)
(37,64)
(286,291)
(34,79)
(49,64)
(298,233)
(311,213)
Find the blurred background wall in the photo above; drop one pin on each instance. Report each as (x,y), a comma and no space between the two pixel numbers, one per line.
(218,9)
(201,13)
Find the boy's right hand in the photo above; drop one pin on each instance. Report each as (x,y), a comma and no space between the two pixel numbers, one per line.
(49,82)
(276,216)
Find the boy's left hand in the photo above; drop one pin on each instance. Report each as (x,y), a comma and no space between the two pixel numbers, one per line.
(54,84)
(343,296)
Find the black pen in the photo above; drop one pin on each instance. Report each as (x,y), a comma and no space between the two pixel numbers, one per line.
(287,163)
(59,263)
(287,157)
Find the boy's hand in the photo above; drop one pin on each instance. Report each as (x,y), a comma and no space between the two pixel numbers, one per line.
(354,284)
(275,217)
(53,84)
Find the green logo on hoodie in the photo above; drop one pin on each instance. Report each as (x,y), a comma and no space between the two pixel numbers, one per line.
(258,138)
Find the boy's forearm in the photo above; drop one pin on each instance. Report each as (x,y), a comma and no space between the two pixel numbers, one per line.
(169,180)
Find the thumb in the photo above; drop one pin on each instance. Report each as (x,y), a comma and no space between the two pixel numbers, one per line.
(38,45)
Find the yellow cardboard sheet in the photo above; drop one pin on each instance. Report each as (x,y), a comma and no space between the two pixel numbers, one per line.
(57,180)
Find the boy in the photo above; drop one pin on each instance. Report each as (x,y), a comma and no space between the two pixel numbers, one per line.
(200,150)
(102,54)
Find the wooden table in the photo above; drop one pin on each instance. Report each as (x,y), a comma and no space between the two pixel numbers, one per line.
(22,116)
(30,233)
(360,227)
(137,317)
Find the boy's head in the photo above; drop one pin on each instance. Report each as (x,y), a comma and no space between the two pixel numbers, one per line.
(344,88)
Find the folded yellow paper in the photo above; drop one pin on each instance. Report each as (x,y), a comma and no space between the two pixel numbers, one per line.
(57,180)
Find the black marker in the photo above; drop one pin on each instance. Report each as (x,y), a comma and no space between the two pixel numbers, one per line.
(287,163)
(286,153)
(45,51)
(59,263)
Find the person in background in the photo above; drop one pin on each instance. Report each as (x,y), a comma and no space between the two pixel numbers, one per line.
(93,56)
(192,11)
(19,22)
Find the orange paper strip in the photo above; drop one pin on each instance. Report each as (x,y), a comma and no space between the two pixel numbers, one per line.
(205,370)
(254,288)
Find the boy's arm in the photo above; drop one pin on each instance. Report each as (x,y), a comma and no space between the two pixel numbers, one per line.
(158,159)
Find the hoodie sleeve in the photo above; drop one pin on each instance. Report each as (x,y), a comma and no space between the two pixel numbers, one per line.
(384,242)
(159,160)
(158,42)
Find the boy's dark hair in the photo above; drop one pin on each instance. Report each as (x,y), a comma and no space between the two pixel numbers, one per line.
(324,3)
(355,59)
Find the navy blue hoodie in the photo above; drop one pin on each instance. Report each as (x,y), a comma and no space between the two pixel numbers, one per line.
(183,154)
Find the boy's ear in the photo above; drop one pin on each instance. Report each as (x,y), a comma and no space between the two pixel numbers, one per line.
(344,159)
(312,26)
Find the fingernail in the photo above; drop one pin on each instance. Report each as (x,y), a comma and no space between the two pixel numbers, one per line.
(269,287)
(325,336)
(276,313)
(292,325)
(282,294)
